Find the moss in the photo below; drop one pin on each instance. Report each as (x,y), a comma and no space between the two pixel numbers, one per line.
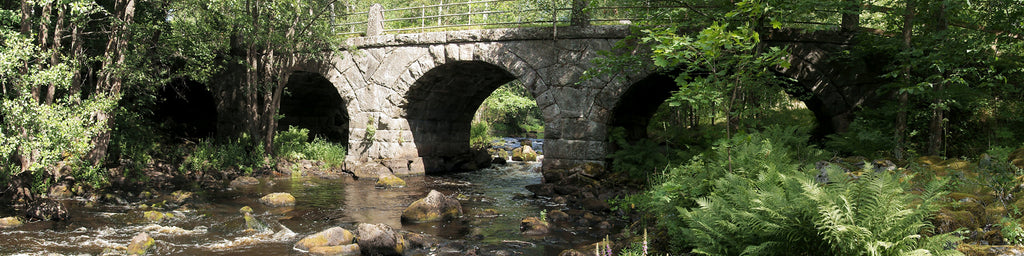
(11,222)
(154,216)
(390,181)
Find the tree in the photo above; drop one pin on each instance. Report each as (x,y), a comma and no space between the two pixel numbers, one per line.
(254,46)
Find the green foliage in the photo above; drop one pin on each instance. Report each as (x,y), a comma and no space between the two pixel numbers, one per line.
(767,205)
(479,135)
(242,154)
(865,137)
(290,144)
(294,144)
(640,159)
(37,138)
(875,215)
(332,154)
(511,111)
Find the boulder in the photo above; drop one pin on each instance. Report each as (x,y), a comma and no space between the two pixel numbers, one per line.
(242,181)
(595,204)
(47,209)
(60,192)
(331,237)
(10,222)
(557,216)
(572,252)
(278,200)
(533,226)
(390,181)
(591,170)
(524,153)
(544,189)
(156,216)
(368,170)
(140,244)
(251,223)
(435,206)
(379,239)
(338,250)
(179,197)
(1017,158)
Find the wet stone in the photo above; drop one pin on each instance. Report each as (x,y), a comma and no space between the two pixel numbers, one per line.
(278,200)
(533,226)
(331,237)
(10,222)
(244,181)
(140,244)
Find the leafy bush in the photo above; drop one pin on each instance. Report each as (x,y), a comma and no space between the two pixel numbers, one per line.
(479,135)
(242,153)
(294,144)
(291,144)
(765,204)
(330,153)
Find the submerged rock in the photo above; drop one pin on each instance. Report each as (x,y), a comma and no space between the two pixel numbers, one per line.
(11,222)
(390,181)
(140,244)
(435,206)
(331,237)
(244,181)
(179,197)
(379,239)
(278,200)
(533,226)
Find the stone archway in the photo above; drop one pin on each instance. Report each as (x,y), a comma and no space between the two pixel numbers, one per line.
(440,108)
(312,102)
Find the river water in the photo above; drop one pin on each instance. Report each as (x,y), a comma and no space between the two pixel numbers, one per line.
(210,223)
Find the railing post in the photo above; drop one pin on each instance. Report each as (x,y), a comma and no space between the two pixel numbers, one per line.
(579,15)
(375,20)
(851,16)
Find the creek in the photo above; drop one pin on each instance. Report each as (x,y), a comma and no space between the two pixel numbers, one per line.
(210,223)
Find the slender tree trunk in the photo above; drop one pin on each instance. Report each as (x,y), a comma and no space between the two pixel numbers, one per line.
(109,84)
(901,114)
(936,127)
(58,33)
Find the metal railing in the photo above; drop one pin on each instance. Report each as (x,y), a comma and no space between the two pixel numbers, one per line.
(477,14)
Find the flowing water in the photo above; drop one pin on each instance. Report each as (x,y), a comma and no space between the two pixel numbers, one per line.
(210,223)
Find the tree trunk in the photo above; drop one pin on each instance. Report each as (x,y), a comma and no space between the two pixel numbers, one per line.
(936,128)
(109,84)
(901,114)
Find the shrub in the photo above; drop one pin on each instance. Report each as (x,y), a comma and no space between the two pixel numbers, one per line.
(242,153)
(330,153)
(290,144)
(765,204)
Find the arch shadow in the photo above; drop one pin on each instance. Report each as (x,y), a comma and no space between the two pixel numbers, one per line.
(440,109)
(312,102)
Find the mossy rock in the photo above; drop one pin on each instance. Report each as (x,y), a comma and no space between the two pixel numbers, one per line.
(331,237)
(434,207)
(957,164)
(11,222)
(989,250)
(140,244)
(929,160)
(180,196)
(533,226)
(339,250)
(390,181)
(156,216)
(278,200)
(524,153)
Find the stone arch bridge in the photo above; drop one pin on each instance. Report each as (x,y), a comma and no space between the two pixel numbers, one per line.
(410,98)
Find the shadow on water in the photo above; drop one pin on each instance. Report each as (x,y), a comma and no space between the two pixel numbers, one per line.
(210,223)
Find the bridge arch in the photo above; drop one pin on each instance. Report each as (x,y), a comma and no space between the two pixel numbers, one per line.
(312,102)
(440,108)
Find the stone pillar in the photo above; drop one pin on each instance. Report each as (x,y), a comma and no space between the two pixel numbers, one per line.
(579,16)
(375,20)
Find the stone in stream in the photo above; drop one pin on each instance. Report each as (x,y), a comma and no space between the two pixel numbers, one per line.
(338,250)
(434,207)
(11,222)
(533,226)
(242,181)
(379,239)
(156,216)
(278,200)
(390,181)
(47,209)
(524,153)
(140,244)
(331,237)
